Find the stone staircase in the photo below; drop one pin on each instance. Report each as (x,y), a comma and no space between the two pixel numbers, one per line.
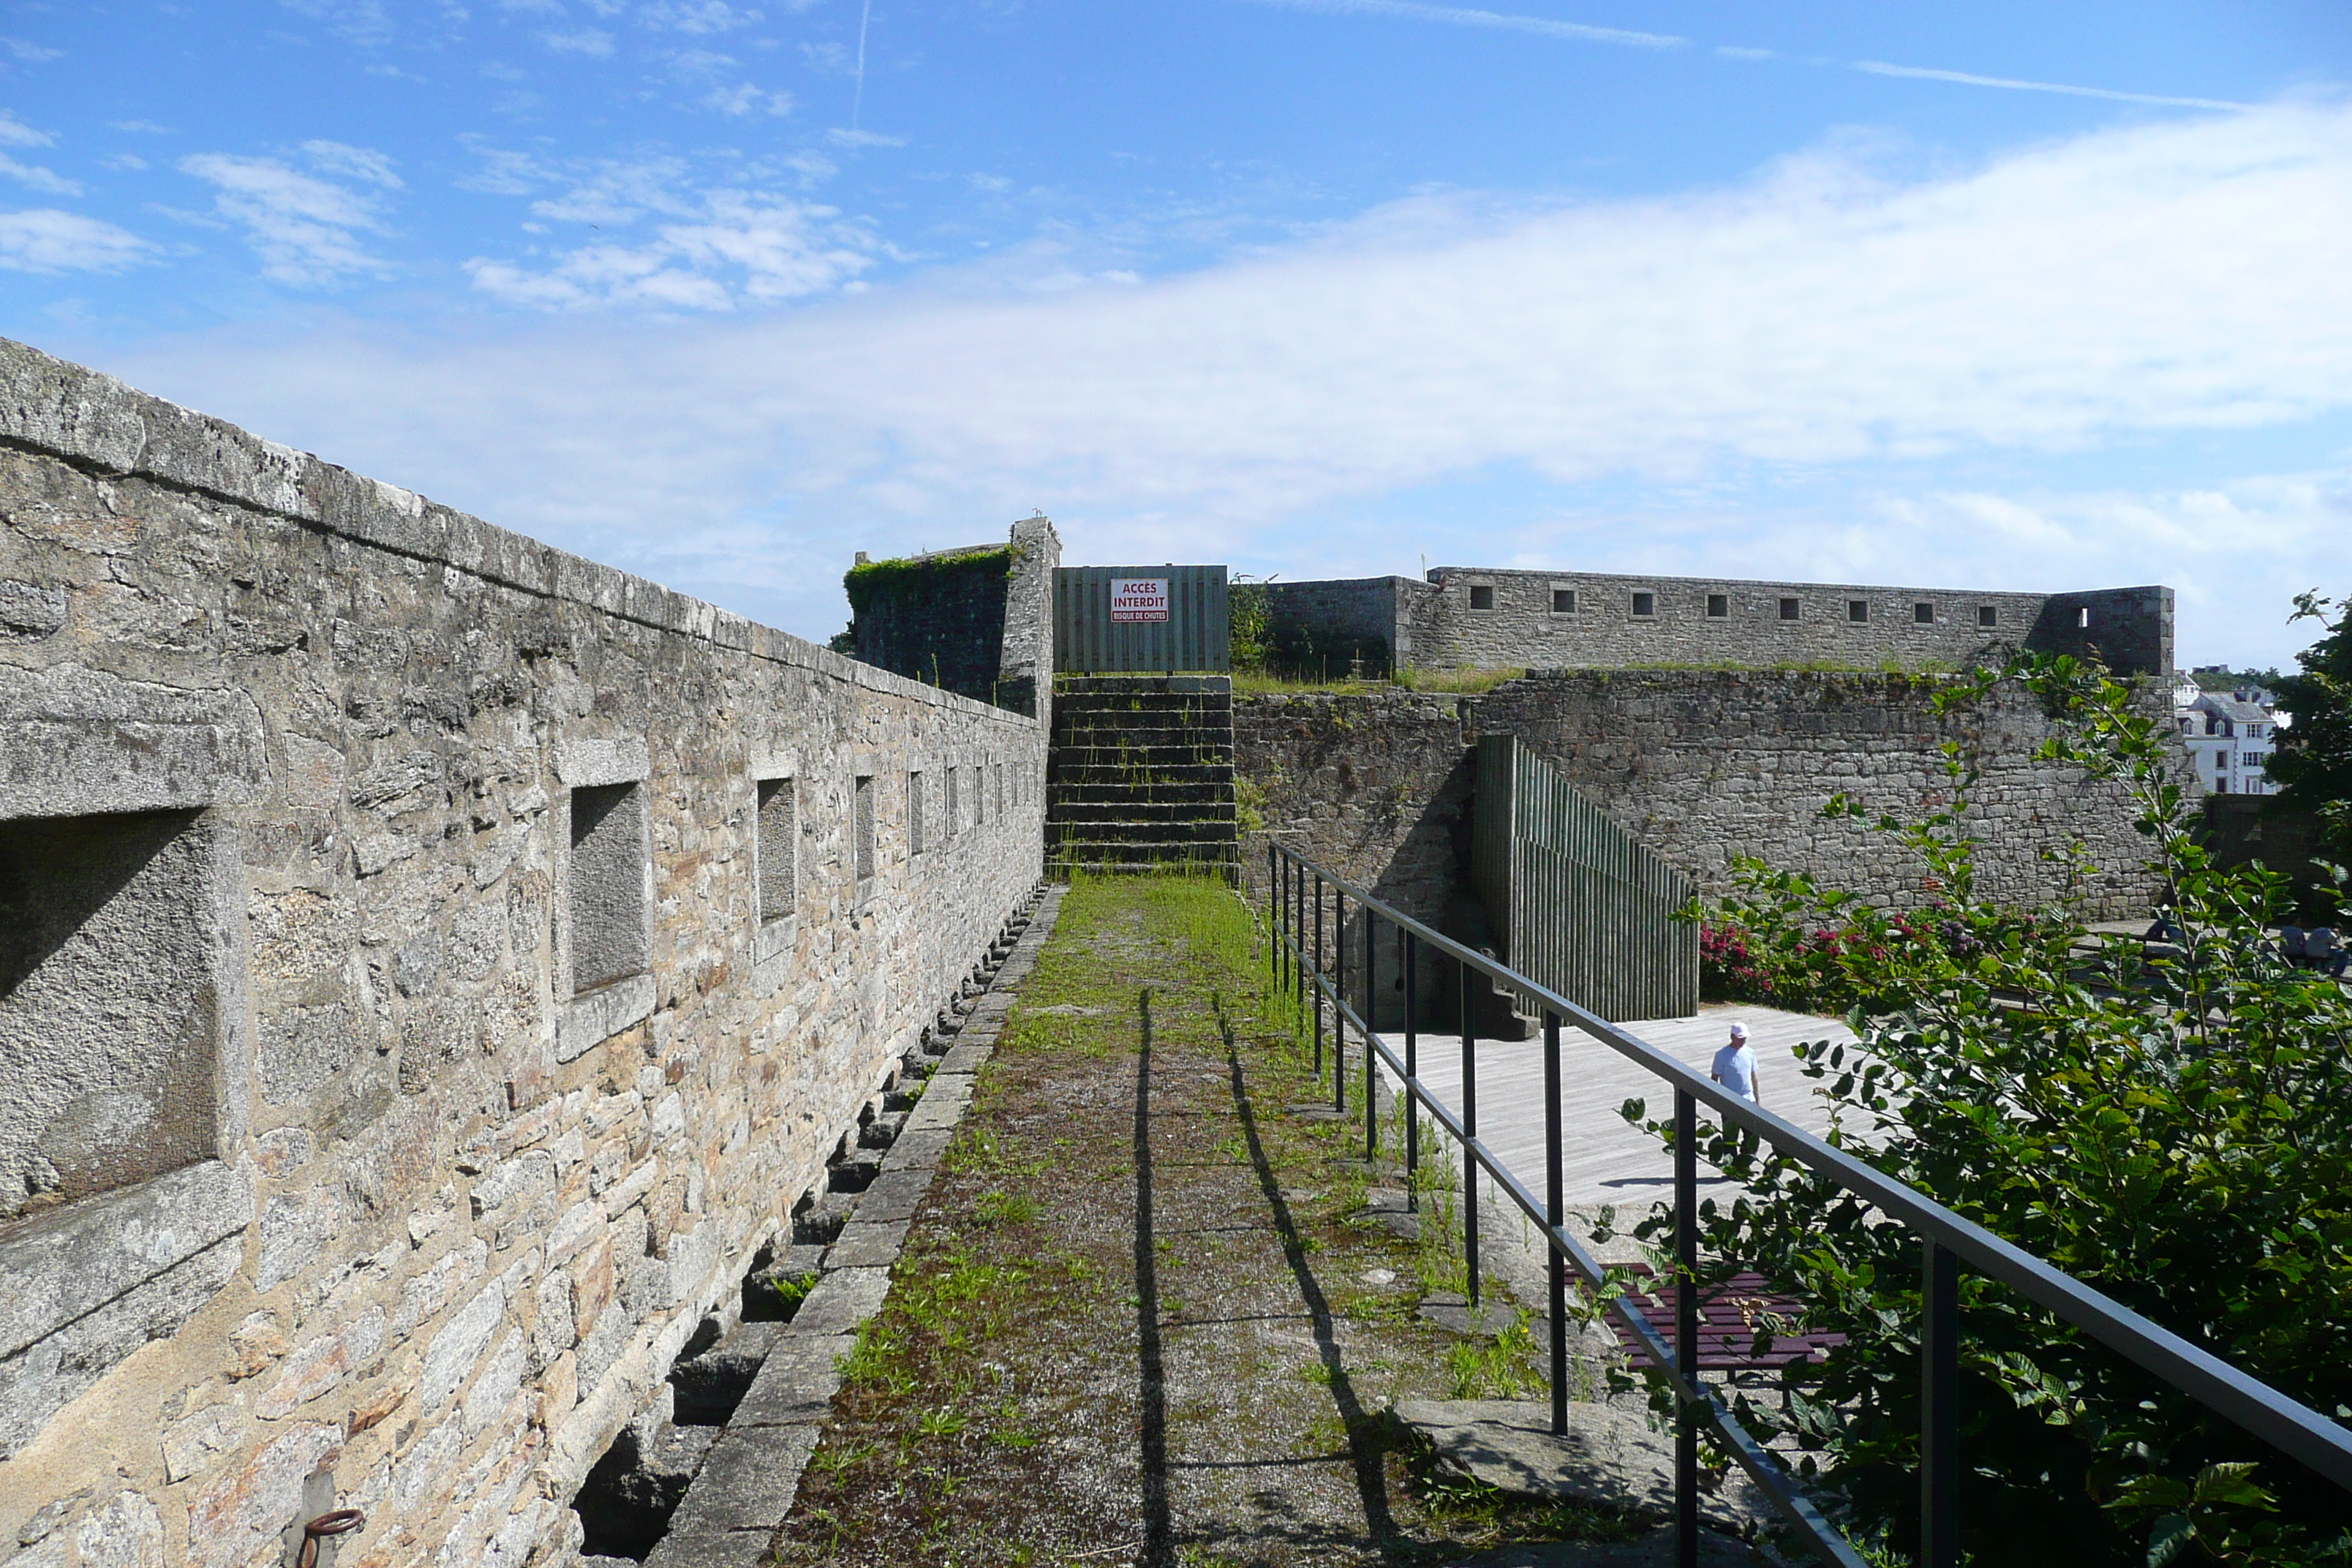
(1141,775)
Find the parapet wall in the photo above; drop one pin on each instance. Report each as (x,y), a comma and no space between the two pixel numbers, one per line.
(1493,619)
(1702,767)
(433,966)
(978,620)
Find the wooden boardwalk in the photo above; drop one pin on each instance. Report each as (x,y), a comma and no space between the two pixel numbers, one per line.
(1605,1160)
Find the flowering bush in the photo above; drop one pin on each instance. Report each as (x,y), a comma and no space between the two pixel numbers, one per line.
(2171,1124)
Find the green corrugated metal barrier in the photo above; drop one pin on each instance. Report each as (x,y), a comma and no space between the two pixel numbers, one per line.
(1175,622)
(1576,903)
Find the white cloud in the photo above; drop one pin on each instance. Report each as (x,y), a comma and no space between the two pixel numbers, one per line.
(352,162)
(698,16)
(48,240)
(361,22)
(586,41)
(616,193)
(304,226)
(141,127)
(503,172)
(130,162)
(37,178)
(741,249)
(1468,16)
(1967,79)
(31,53)
(15,133)
(745,99)
(2134,287)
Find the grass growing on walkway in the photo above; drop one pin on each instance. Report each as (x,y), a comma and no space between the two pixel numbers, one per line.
(1144,1316)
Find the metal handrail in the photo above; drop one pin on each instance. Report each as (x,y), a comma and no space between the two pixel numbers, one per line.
(2292,1427)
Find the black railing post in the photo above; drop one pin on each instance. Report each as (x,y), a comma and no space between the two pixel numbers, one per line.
(1371,1115)
(1555,1213)
(1338,1000)
(1274,909)
(1412,1070)
(1319,974)
(1939,1414)
(1299,938)
(1687,1329)
(1469,1131)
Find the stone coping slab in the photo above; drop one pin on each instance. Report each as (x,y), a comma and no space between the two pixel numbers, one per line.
(796,1384)
(1611,1456)
(843,1298)
(918,1149)
(896,1194)
(966,1058)
(748,1484)
(867,1244)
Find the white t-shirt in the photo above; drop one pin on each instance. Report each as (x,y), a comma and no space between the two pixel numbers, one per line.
(1734,1065)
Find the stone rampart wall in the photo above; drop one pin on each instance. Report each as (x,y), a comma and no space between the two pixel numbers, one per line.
(1702,767)
(1492,619)
(435,966)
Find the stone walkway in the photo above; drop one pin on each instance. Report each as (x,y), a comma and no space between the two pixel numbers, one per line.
(1150,1311)
(1605,1159)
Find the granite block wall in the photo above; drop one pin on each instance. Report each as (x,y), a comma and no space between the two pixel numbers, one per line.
(1700,766)
(1491,619)
(433,967)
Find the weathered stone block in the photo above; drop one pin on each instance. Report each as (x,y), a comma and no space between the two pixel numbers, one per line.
(797,1381)
(453,1351)
(865,1244)
(748,1483)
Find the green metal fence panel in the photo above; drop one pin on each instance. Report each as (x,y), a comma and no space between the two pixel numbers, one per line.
(1123,620)
(1576,902)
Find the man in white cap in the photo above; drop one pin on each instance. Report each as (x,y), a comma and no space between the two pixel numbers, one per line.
(1735,1065)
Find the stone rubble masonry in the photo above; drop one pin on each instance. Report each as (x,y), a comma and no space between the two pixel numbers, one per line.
(1701,766)
(358,1195)
(1493,619)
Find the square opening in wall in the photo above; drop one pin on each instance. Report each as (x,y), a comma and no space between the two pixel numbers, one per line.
(1718,606)
(1563,601)
(779,849)
(1482,597)
(1987,615)
(1924,615)
(915,813)
(2083,619)
(111,1003)
(952,819)
(865,809)
(1645,604)
(611,939)
(1787,609)
(1857,609)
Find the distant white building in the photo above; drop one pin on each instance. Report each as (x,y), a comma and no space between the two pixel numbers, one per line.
(2229,736)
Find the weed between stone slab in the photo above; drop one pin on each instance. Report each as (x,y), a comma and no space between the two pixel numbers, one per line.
(1140,1317)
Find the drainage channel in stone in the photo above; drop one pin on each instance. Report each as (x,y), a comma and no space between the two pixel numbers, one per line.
(702,1476)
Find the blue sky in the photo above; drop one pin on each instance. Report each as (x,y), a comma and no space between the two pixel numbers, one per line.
(1997,295)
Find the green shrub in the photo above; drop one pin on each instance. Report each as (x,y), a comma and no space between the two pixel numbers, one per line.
(2171,1124)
